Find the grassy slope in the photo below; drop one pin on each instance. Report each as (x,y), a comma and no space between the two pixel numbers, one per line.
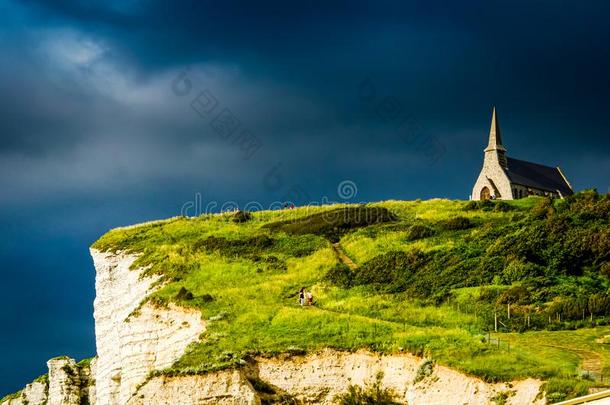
(255,310)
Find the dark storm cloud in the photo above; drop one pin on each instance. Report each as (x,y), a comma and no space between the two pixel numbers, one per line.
(92,135)
(432,56)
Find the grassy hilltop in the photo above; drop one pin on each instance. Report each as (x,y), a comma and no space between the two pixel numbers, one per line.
(434,278)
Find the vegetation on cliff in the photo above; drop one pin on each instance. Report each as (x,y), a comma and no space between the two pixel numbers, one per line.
(436,278)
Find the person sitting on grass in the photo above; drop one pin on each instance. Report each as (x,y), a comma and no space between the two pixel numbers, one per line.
(309,298)
(302,296)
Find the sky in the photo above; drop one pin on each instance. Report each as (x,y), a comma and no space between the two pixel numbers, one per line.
(118,112)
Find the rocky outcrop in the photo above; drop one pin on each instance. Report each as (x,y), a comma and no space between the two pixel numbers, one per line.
(35,393)
(133,340)
(67,383)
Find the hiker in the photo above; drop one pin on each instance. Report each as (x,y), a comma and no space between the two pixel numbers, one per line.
(302,296)
(309,298)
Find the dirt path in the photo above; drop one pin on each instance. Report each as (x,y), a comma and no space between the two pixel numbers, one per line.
(344,258)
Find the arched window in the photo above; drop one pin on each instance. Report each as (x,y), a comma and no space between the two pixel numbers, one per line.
(485,194)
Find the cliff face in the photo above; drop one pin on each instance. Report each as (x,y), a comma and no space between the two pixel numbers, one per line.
(134,339)
(132,344)
(319,377)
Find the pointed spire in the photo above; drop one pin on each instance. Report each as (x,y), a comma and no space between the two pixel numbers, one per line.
(495,137)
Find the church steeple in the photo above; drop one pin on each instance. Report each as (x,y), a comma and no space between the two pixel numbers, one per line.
(495,140)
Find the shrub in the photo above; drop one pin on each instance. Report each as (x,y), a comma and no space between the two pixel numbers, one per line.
(514,295)
(501,397)
(340,275)
(543,209)
(184,295)
(604,269)
(207,298)
(425,370)
(373,394)
(456,224)
(516,217)
(242,216)
(391,271)
(489,294)
(484,205)
(518,270)
(590,202)
(419,231)
(501,206)
(471,206)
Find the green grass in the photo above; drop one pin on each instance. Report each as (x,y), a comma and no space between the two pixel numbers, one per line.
(561,388)
(244,277)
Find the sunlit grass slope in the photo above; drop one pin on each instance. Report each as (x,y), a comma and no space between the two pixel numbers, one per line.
(431,277)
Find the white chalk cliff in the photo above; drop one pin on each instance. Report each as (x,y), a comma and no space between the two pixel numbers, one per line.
(134,339)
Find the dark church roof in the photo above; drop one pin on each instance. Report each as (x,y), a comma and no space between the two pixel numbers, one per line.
(538,176)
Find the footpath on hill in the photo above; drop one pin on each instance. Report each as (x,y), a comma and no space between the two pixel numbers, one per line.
(343,257)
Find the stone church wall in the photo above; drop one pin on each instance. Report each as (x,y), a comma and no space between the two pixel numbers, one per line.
(494,172)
